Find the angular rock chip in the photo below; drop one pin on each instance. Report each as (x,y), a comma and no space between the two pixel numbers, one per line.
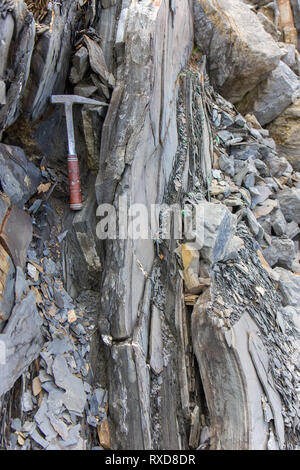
(19,177)
(289,287)
(219,226)
(74,398)
(281,252)
(289,200)
(16,234)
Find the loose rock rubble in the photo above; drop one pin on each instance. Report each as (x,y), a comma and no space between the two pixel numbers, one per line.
(198,343)
(58,402)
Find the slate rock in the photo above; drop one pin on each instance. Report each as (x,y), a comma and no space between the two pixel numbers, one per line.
(278,222)
(292,230)
(18,176)
(74,398)
(281,253)
(224,30)
(289,287)
(217,232)
(273,95)
(226,164)
(264,192)
(80,65)
(23,341)
(16,235)
(289,200)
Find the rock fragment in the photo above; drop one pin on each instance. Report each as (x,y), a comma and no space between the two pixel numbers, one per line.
(224,30)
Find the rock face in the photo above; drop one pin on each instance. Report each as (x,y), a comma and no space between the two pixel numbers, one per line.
(285,130)
(271,97)
(136,158)
(232,36)
(220,298)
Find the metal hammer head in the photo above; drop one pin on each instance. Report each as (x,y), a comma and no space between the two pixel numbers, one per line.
(75,99)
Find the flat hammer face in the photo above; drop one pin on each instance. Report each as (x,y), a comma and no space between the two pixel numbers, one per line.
(73,165)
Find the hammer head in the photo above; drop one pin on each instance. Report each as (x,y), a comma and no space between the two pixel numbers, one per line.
(75,99)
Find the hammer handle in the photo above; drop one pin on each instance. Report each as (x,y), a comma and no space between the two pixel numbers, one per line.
(74,183)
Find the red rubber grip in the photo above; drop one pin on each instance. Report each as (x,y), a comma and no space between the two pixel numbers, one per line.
(74,183)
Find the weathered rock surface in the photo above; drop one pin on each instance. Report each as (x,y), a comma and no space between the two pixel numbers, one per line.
(19,62)
(289,200)
(219,229)
(23,341)
(232,36)
(281,253)
(273,95)
(19,177)
(285,130)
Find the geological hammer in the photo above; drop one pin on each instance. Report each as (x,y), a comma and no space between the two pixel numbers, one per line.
(73,165)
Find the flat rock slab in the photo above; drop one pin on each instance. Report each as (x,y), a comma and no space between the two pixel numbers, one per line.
(21,342)
(16,234)
(19,177)
(74,398)
(232,36)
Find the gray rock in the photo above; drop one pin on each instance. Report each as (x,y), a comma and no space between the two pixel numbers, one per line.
(278,223)
(218,231)
(225,136)
(27,404)
(19,177)
(2,93)
(244,152)
(21,285)
(254,226)
(22,27)
(289,286)
(156,343)
(291,58)
(268,25)
(223,31)
(43,421)
(264,192)
(7,281)
(292,230)
(74,398)
(281,253)
(227,120)
(80,65)
(85,90)
(272,96)
(59,346)
(16,235)
(23,341)
(289,200)
(226,164)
